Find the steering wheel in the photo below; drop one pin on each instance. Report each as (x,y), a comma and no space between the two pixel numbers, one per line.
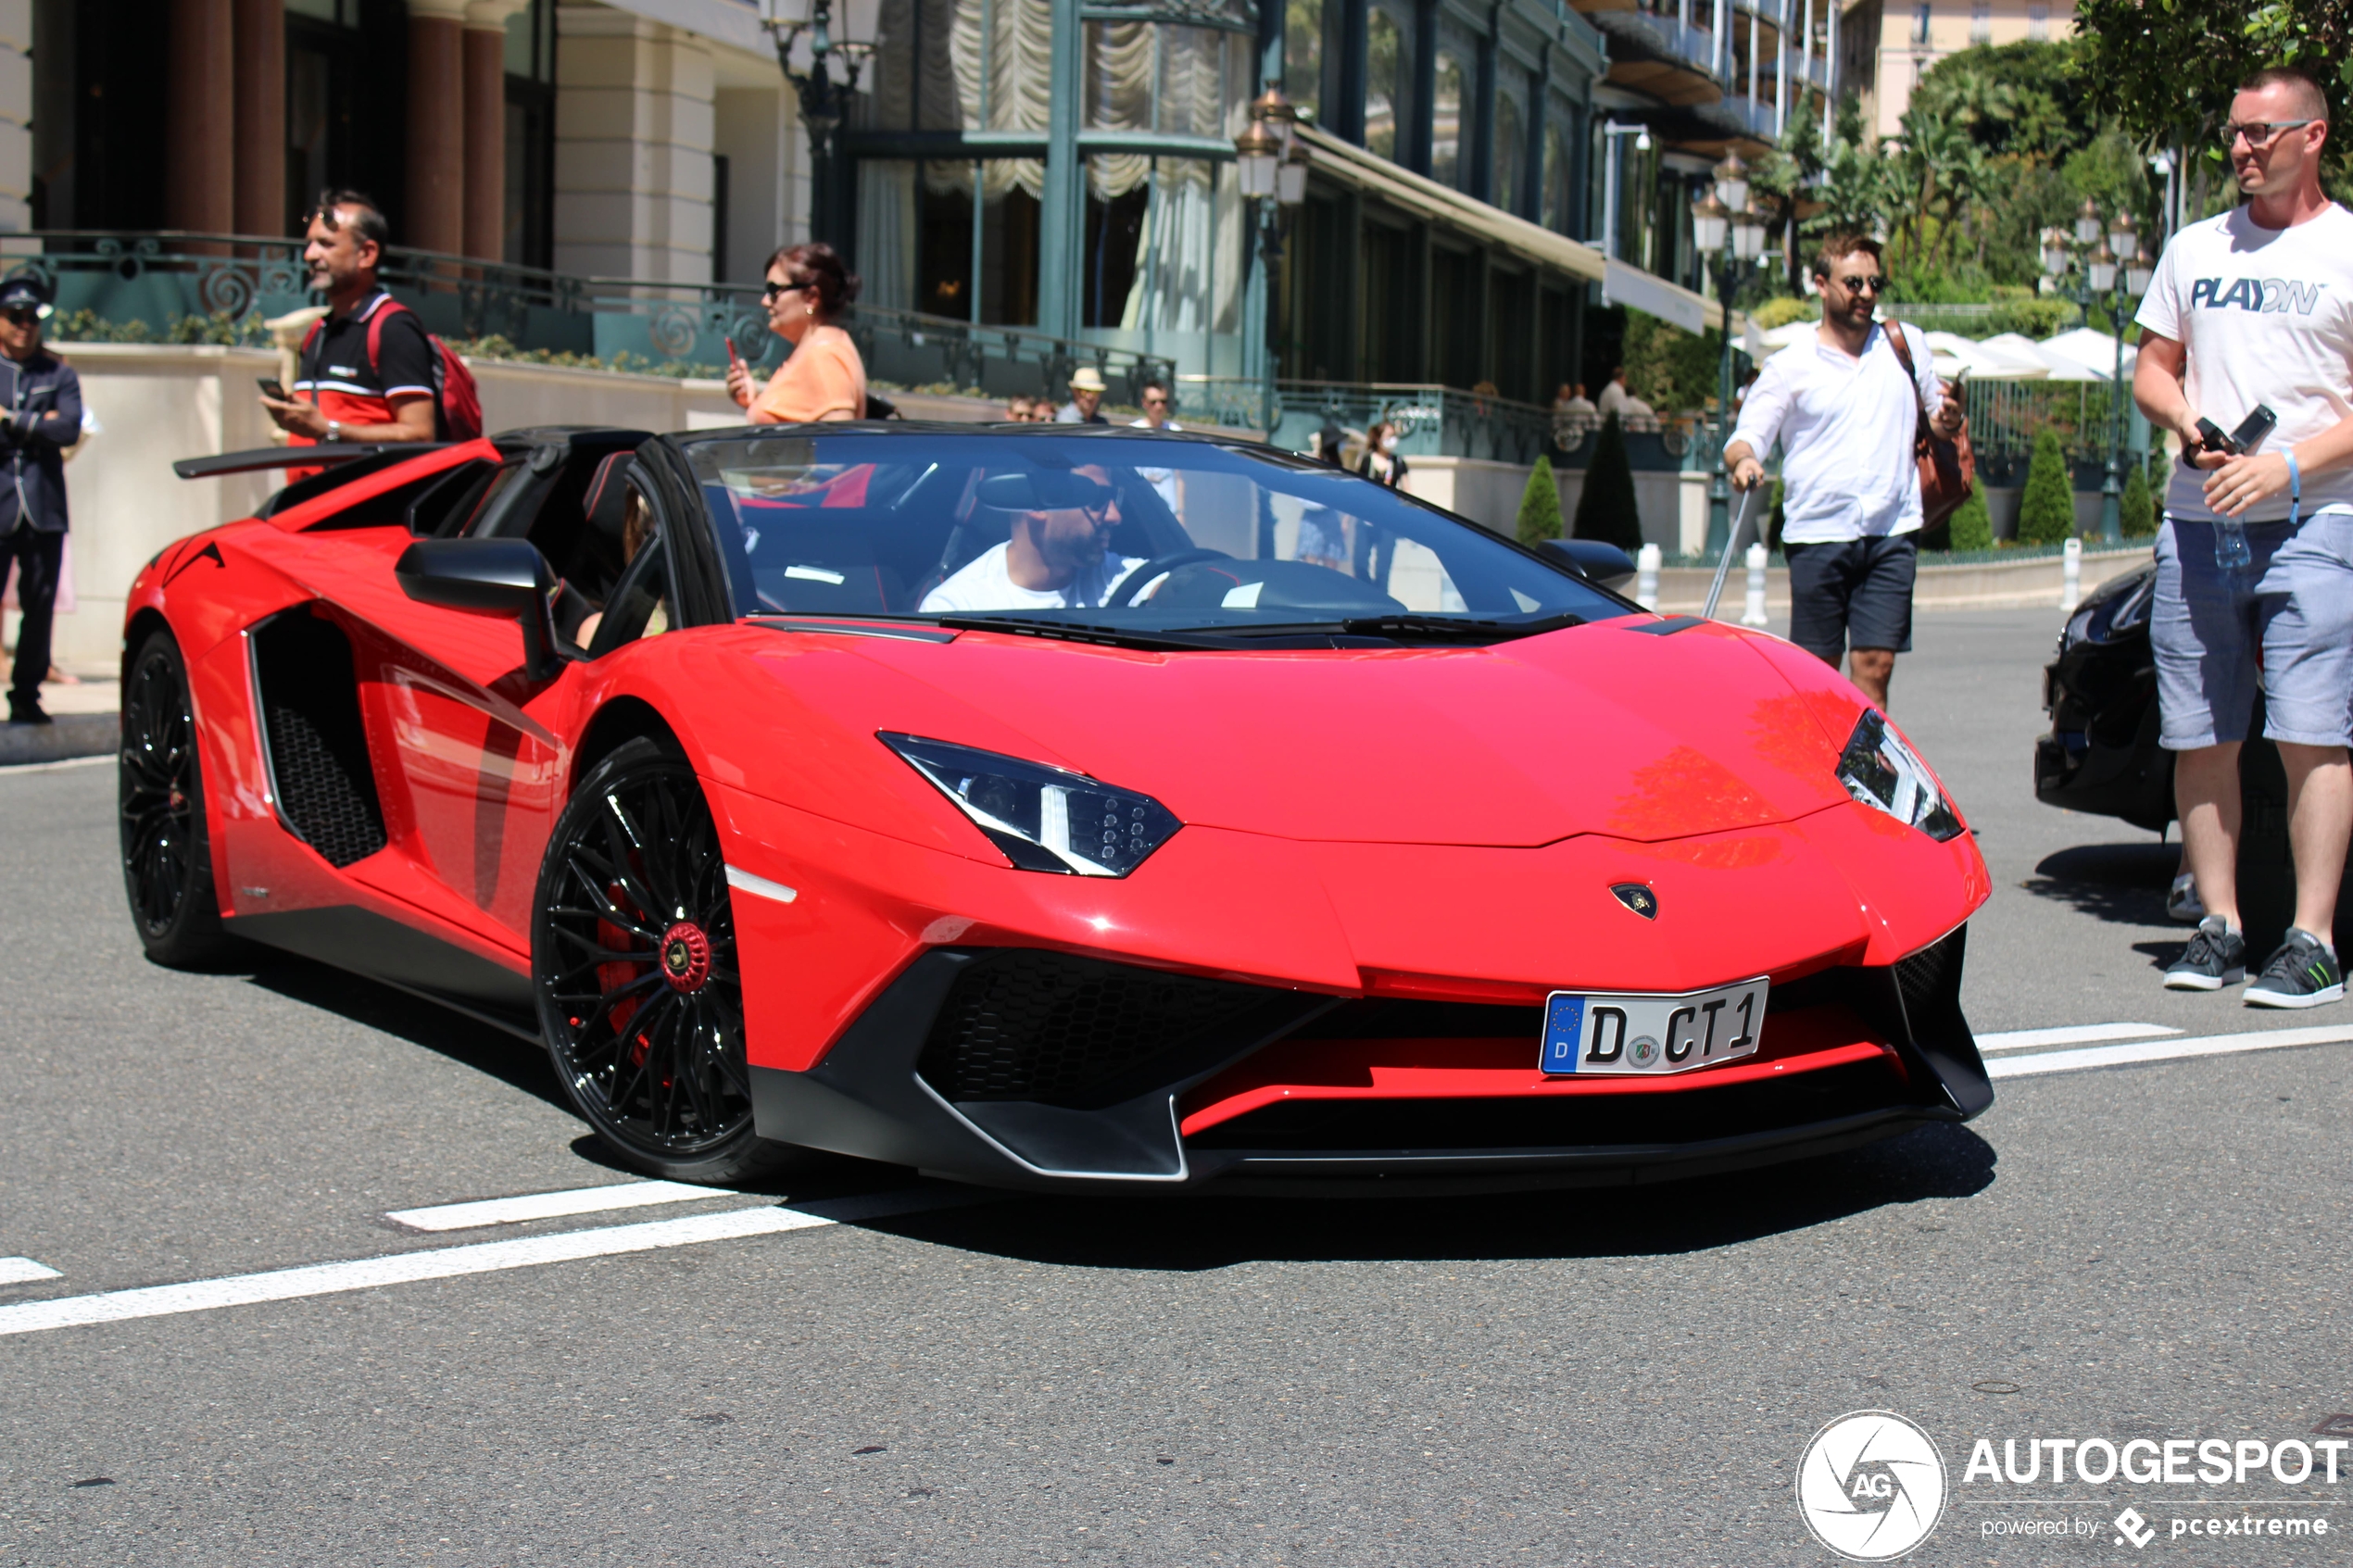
(1159,566)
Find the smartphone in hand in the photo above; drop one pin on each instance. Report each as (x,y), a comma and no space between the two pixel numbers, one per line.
(273,388)
(2254,428)
(2209,439)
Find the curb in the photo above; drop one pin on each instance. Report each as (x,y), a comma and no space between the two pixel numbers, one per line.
(71,735)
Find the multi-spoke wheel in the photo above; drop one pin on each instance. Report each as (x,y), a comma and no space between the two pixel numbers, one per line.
(633,955)
(167,863)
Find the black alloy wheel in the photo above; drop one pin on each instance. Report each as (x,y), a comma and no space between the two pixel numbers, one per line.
(166,859)
(633,963)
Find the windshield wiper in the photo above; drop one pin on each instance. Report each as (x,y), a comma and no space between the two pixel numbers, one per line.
(1075,632)
(1408,627)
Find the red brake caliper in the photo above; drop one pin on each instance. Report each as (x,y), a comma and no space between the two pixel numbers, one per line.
(611,977)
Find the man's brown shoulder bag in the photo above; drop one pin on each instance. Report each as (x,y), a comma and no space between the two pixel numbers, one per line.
(1948,469)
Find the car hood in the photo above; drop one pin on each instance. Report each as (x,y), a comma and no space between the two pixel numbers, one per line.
(1606,728)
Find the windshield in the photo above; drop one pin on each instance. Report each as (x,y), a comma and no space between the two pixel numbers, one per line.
(1136,533)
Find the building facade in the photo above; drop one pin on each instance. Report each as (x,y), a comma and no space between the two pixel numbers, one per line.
(1482,178)
(1897,41)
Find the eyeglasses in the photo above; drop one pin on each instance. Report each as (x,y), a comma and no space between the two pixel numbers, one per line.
(24,316)
(768,296)
(1863,285)
(2259,132)
(1153,400)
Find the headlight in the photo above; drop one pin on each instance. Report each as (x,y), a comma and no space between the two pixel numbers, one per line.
(1878,770)
(1044,818)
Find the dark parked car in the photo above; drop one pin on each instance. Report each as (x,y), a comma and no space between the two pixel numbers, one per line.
(2101,755)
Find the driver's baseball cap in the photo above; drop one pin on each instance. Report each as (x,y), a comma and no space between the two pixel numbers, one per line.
(25,292)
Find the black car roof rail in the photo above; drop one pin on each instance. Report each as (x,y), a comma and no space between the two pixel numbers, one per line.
(326,453)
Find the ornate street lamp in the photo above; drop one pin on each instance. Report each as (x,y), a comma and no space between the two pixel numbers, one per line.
(825,103)
(1272,163)
(1728,227)
(2105,260)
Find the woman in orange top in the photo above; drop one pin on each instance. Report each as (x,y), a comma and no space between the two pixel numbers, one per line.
(822,378)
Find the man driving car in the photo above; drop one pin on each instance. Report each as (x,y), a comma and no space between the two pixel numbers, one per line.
(1058,555)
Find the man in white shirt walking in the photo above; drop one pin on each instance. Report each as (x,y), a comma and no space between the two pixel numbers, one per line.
(1845,406)
(2255,558)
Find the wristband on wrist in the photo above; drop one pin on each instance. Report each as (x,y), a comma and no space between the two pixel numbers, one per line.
(2294,488)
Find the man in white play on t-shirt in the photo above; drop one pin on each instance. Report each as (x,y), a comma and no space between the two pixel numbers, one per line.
(1058,556)
(2255,558)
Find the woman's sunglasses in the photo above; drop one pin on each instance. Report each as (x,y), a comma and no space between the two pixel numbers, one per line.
(768,296)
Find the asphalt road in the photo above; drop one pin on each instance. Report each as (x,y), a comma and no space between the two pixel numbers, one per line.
(1619,1377)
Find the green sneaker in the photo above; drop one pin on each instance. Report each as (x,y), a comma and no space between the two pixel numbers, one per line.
(2301,975)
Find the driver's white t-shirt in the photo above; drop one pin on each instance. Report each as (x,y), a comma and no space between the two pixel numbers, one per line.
(984,583)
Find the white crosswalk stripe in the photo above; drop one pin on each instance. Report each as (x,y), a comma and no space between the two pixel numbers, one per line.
(2164,1051)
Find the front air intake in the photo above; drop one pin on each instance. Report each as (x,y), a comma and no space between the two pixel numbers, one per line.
(1026,1024)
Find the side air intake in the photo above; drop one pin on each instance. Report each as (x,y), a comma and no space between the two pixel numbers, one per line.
(309,693)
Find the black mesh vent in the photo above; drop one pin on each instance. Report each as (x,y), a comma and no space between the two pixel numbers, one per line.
(317,748)
(1931,979)
(1374,1018)
(1030,1026)
(1689,1116)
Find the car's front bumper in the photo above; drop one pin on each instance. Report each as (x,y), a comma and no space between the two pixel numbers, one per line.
(1020,1068)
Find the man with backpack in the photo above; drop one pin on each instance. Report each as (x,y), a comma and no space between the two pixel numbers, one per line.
(369,371)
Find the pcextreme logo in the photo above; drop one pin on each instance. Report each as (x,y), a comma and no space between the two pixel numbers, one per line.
(1871,1485)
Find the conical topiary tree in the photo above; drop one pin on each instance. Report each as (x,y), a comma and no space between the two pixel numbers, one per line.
(1972,526)
(1540,506)
(1606,509)
(2046,511)
(2137,513)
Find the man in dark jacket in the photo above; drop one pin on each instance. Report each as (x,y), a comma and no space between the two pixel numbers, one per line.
(40,417)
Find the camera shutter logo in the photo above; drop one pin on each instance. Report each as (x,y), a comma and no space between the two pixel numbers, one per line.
(1871,1485)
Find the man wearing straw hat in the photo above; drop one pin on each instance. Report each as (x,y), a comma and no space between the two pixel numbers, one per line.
(1085,407)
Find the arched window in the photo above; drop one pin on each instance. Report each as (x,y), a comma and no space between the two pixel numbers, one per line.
(1384,83)
(1447,165)
(1304,55)
(1555,213)
(1511,138)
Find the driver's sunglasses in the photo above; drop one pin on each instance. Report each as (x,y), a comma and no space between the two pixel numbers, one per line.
(1098,504)
(1863,285)
(24,316)
(2259,134)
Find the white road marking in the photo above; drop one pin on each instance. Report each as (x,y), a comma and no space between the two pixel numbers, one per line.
(104,756)
(23,1270)
(550,1205)
(2071,1035)
(745,881)
(482,1256)
(2165,1050)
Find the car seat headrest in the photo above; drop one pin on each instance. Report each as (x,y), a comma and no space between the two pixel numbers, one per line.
(607,502)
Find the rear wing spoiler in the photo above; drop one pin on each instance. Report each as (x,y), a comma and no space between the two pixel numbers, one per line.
(298,457)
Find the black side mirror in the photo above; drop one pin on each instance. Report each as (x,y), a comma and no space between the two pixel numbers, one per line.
(1605,564)
(502,577)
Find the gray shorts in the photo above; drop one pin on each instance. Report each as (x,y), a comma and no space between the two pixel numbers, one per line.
(2281,624)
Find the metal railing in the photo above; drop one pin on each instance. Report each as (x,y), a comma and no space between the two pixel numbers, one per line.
(171,287)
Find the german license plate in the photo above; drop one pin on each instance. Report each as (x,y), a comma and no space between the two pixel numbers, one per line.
(1590,1033)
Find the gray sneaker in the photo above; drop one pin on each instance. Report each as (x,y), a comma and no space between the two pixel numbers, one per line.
(2215,957)
(2301,975)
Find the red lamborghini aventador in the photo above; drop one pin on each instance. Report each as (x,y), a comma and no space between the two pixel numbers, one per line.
(1049,807)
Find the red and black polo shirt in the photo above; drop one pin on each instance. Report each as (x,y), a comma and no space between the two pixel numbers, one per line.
(338,376)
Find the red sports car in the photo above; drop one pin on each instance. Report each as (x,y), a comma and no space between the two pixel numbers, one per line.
(1046,806)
